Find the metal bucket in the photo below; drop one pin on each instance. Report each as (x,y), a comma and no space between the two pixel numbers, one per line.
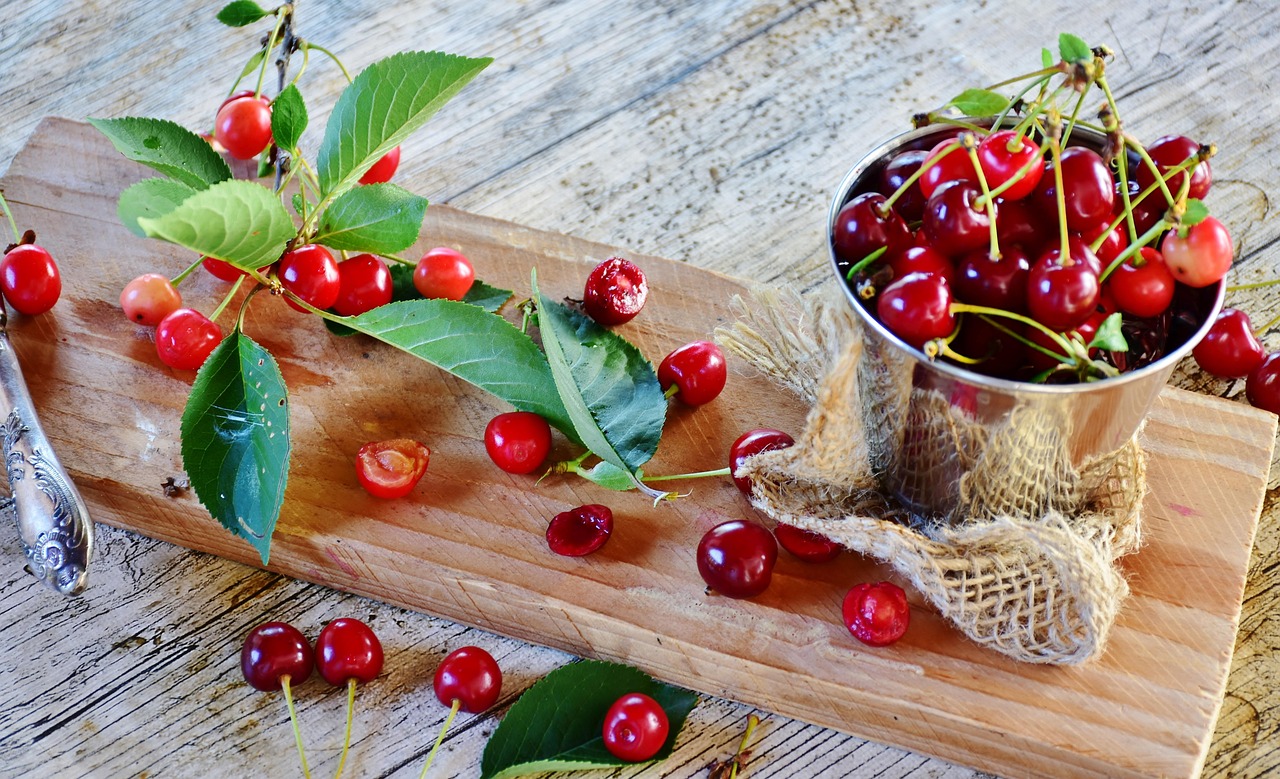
(931,425)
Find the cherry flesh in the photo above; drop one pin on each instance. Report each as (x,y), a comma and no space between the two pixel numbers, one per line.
(348,649)
(518,441)
(580,531)
(614,292)
(876,614)
(444,273)
(30,279)
(149,298)
(635,728)
(273,651)
(469,676)
(697,371)
(736,558)
(391,469)
(751,443)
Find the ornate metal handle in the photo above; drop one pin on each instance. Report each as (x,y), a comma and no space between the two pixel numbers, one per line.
(53,520)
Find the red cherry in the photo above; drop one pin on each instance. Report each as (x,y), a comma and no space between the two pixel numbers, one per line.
(806,544)
(383,169)
(736,558)
(953,223)
(1061,296)
(751,443)
(149,298)
(1087,186)
(697,370)
(1169,152)
(1117,240)
(922,259)
(865,225)
(1146,213)
(225,270)
(1229,350)
(273,652)
(615,291)
(876,614)
(348,649)
(1021,223)
(30,280)
(243,126)
(917,308)
(1038,361)
(1202,258)
(953,164)
(444,273)
(1001,283)
(635,728)
(910,204)
(518,441)
(391,469)
(1001,354)
(311,273)
(580,531)
(1142,285)
(1002,155)
(469,676)
(186,338)
(1263,385)
(364,283)
(235,96)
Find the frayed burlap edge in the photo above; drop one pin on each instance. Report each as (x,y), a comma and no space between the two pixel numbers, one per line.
(1041,589)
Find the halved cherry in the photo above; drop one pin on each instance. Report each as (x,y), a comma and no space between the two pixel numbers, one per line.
(391,469)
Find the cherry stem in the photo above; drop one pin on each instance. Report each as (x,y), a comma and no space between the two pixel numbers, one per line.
(1038,82)
(176,280)
(968,308)
(226,299)
(1027,341)
(346,740)
(1101,239)
(306,58)
(752,722)
(1043,74)
(696,475)
(864,262)
(987,199)
(1261,331)
(1075,113)
(954,122)
(453,712)
(1022,172)
(1254,285)
(914,177)
(293,718)
(13,225)
(1156,230)
(1065,258)
(671,391)
(330,55)
(281,14)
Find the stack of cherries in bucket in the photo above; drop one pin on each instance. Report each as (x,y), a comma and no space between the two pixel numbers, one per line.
(1036,246)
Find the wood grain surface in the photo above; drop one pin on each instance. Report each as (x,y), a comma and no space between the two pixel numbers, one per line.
(712,133)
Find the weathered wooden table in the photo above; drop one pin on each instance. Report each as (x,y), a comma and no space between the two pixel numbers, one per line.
(712,133)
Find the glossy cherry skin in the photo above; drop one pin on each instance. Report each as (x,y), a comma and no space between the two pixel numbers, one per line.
(518,441)
(953,164)
(311,273)
(993,283)
(391,469)
(149,298)
(1145,213)
(1202,258)
(225,271)
(470,676)
(272,651)
(806,544)
(1088,189)
(1022,224)
(1263,385)
(917,308)
(1229,350)
(952,222)
(635,728)
(243,126)
(615,292)
(1000,354)
(364,283)
(910,204)
(1060,296)
(444,273)
(30,279)
(348,649)
(876,614)
(922,259)
(1142,285)
(186,338)
(751,443)
(864,225)
(1169,152)
(1117,239)
(736,558)
(383,169)
(1002,155)
(697,370)
(580,531)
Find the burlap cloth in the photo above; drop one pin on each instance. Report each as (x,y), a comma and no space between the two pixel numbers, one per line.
(1029,569)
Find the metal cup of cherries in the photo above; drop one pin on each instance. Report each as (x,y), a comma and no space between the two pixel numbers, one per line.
(1042,242)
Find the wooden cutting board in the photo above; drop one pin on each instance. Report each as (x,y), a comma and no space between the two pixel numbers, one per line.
(468,545)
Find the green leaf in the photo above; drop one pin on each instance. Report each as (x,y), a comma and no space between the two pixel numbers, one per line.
(979,102)
(1109,337)
(384,105)
(170,148)
(378,218)
(556,725)
(288,118)
(1196,212)
(235,439)
(489,298)
(253,64)
(1046,58)
(610,477)
(474,345)
(1073,48)
(150,198)
(265,168)
(486,297)
(609,389)
(237,221)
(240,13)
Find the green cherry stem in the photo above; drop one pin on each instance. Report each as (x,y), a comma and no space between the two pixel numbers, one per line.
(1042,74)
(1075,114)
(1022,172)
(954,122)
(281,14)
(1065,257)
(453,712)
(696,475)
(1254,285)
(1155,232)
(13,225)
(293,718)
(862,263)
(1261,331)
(306,58)
(330,55)
(671,391)
(176,280)
(346,739)
(1040,82)
(968,308)
(914,177)
(740,759)
(1130,203)
(1062,358)
(226,299)
(987,198)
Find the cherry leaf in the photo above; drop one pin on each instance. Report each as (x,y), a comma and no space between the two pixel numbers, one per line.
(235,439)
(979,102)
(239,222)
(377,218)
(384,105)
(1109,337)
(240,13)
(556,724)
(1073,49)
(150,198)
(609,476)
(608,387)
(1196,212)
(1046,58)
(288,118)
(167,147)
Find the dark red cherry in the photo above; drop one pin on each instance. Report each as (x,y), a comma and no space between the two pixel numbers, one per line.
(917,308)
(864,226)
(922,259)
(953,164)
(348,649)
(1001,283)
(697,370)
(751,443)
(736,558)
(272,651)
(910,204)
(952,222)
(806,544)
(1117,240)
(1061,296)
(1000,354)
(1021,223)
(1169,152)
(580,531)
(1088,189)
(470,676)
(1230,350)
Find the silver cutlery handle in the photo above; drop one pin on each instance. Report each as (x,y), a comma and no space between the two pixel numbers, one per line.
(53,521)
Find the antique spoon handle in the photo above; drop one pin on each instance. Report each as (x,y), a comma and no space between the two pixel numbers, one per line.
(53,520)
